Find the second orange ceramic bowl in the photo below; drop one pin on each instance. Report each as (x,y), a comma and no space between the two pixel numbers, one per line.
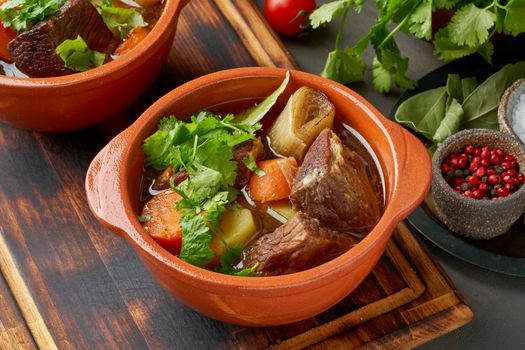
(113,185)
(83,99)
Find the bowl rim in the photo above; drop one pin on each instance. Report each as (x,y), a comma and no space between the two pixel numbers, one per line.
(457,138)
(160,30)
(503,110)
(314,277)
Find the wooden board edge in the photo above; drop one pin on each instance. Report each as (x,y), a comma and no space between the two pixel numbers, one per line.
(258,38)
(437,265)
(14,332)
(346,322)
(400,261)
(422,261)
(424,331)
(34,320)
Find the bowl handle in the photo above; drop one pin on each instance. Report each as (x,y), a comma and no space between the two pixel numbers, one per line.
(103,187)
(414,174)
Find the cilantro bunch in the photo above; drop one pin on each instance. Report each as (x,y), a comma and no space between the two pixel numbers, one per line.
(20,15)
(203,147)
(469,31)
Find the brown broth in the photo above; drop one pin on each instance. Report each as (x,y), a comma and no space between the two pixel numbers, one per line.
(10,70)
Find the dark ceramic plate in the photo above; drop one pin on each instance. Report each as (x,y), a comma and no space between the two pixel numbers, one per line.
(504,254)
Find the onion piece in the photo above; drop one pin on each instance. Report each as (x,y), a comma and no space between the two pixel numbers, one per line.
(306,114)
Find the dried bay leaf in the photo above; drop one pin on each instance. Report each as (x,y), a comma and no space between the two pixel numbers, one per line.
(481,105)
(468,85)
(424,112)
(450,123)
(455,87)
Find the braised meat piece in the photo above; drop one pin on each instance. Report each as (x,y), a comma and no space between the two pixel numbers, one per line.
(162,182)
(245,149)
(300,244)
(332,185)
(34,53)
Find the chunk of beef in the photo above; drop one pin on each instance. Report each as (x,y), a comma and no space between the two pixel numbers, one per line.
(162,182)
(300,244)
(34,50)
(332,185)
(245,149)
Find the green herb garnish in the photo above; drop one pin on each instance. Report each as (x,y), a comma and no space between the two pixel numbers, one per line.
(253,115)
(118,18)
(469,31)
(250,163)
(20,15)
(78,56)
(144,218)
(204,148)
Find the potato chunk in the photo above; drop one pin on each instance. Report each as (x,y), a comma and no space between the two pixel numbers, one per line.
(238,227)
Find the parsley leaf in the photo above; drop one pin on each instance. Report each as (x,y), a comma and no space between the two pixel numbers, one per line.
(250,163)
(344,66)
(446,50)
(327,12)
(420,22)
(179,143)
(228,260)
(121,19)
(158,147)
(445,4)
(78,56)
(20,15)
(217,155)
(470,25)
(196,239)
(381,77)
(514,23)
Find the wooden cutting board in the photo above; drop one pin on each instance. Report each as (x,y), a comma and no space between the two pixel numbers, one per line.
(69,283)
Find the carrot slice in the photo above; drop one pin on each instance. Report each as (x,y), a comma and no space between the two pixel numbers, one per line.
(163,224)
(6,35)
(134,38)
(276,184)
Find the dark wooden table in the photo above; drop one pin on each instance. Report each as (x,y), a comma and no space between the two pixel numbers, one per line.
(68,283)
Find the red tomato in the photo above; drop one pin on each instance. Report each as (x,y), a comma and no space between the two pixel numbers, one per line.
(6,35)
(282,14)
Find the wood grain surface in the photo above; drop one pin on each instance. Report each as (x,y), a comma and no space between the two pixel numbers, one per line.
(71,284)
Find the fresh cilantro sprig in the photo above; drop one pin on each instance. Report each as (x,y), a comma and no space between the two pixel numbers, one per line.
(468,32)
(20,15)
(250,163)
(119,18)
(78,56)
(203,147)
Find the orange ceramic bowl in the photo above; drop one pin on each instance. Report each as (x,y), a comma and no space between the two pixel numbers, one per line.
(83,99)
(113,183)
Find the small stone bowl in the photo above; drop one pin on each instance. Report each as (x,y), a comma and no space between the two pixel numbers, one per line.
(508,105)
(477,218)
